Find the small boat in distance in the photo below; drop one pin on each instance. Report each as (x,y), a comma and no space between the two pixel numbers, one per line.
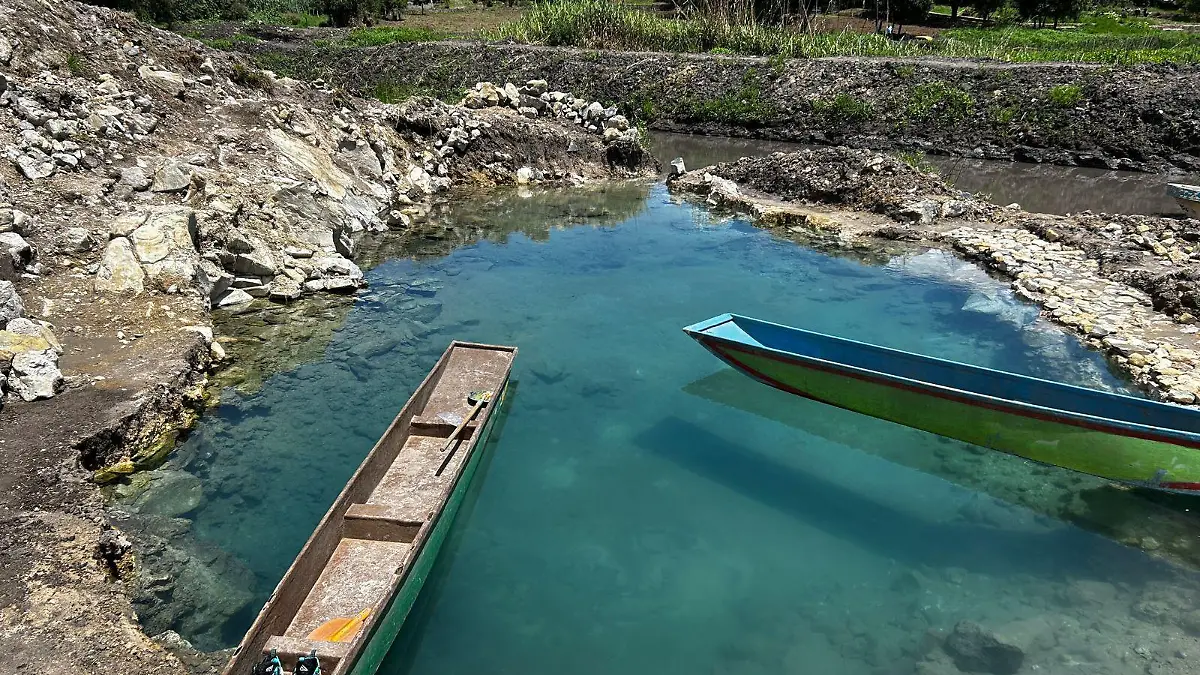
(1121,438)
(1188,197)
(350,589)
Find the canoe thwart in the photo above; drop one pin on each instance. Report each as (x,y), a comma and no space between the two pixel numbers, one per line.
(383,522)
(291,648)
(438,427)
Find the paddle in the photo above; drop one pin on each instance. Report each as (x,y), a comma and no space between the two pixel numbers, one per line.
(479,399)
(340,629)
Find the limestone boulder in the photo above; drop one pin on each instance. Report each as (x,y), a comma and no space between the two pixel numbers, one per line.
(31,328)
(120,271)
(12,343)
(35,375)
(171,177)
(169,83)
(77,240)
(15,246)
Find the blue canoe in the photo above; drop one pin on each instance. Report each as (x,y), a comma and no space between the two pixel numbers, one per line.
(1121,438)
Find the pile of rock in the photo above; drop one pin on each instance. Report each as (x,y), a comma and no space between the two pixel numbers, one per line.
(29,351)
(1110,316)
(535,99)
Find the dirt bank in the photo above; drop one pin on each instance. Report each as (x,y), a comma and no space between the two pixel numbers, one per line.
(1143,118)
(144,181)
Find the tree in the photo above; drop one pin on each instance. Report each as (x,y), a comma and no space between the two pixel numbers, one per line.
(985,8)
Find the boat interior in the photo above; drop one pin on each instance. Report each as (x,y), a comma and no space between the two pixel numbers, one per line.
(357,559)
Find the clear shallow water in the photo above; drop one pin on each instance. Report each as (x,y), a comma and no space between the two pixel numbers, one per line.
(629,523)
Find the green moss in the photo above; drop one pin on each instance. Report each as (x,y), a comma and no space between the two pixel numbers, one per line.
(905,71)
(75,65)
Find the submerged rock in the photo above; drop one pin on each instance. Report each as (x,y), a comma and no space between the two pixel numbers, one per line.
(977,650)
(162,492)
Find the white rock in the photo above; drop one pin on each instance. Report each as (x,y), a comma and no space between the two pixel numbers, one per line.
(235,297)
(169,83)
(35,375)
(524,175)
(78,240)
(119,269)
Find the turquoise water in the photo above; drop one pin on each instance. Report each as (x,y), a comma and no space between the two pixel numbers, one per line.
(629,523)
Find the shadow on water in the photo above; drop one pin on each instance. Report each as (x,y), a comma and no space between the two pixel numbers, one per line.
(875,526)
(1087,502)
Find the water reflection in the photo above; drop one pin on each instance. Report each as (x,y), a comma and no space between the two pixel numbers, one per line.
(1039,188)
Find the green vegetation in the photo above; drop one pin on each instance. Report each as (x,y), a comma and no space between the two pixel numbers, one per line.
(1004,115)
(347,12)
(745,107)
(383,35)
(916,160)
(251,77)
(844,110)
(599,24)
(1066,95)
(75,65)
(938,103)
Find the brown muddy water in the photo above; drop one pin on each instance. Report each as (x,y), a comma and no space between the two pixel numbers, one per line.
(1040,188)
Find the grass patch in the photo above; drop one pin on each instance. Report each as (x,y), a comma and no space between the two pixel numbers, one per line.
(386,35)
(843,110)
(75,65)
(1004,115)
(1066,95)
(251,77)
(938,103)
(599,24)
(916,160)
(743,107)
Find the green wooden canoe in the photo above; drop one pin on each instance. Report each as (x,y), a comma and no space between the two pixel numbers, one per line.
(372,552)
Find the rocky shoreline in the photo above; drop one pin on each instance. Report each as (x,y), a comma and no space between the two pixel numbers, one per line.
(1124,284)
(1142,118)
(146,181)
